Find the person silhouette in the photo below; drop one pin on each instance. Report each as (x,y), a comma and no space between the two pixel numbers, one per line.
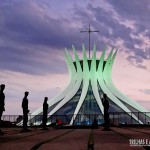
(45,109)
(2,103)
(95,123)
(106,114)
(25,111)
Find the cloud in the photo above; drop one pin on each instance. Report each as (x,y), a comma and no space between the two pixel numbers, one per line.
(112,28)
(31,24)
(121,25)
(137,13)
(135,10)
(146,91)
(141,66)
(29,27)
(33,38)
(136,61)
(32,61)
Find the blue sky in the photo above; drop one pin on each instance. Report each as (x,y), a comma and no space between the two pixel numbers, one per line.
(34,35)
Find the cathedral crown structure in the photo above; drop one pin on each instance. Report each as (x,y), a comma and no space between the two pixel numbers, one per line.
(81,101)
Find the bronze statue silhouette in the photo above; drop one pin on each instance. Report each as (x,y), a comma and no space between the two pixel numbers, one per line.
(2,104)
(25,111)
(106,114)
(45,109)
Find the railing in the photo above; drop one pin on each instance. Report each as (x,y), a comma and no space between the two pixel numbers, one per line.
(117,118)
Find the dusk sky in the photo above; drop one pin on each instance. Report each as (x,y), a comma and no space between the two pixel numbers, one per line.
(35,33)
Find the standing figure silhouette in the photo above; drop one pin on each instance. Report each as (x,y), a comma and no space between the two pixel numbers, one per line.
(2,104)
(106,114)
(25,111)
(45,109)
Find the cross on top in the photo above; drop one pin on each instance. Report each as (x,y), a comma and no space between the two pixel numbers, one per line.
(89,32)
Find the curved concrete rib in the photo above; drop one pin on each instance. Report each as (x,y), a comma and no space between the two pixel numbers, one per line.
(98,77)
(116,92)
(93,79)
(60,96)
(108,80)
(85,79)
(108,92)
(75,88)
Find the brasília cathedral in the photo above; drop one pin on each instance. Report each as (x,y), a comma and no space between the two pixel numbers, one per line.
(80,101)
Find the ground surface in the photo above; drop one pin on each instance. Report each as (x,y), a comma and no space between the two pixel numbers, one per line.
(75,139)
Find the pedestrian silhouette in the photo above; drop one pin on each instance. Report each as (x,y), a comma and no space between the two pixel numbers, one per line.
(45,109)
(106,114)
(95,123)
(25,111)
(2,104)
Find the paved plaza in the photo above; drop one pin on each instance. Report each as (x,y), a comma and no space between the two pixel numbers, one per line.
(119,138)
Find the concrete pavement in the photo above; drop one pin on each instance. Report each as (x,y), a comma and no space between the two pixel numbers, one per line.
(73,139)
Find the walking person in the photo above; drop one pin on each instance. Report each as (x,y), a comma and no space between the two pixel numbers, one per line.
(2,104)
(25,111)
(45,109)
